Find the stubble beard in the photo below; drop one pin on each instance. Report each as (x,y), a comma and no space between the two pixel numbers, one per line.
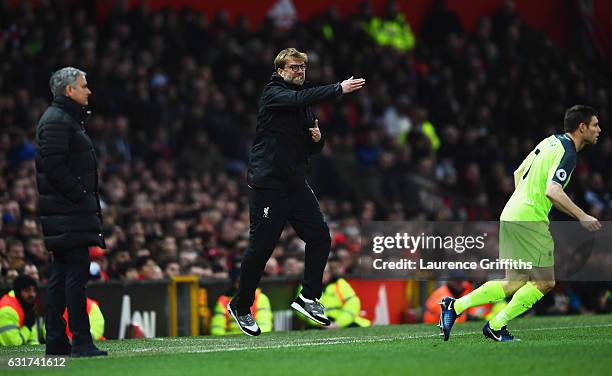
(295,80)
(299,80)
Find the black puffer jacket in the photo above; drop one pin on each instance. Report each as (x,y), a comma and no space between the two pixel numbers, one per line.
(67,178)
(282,145)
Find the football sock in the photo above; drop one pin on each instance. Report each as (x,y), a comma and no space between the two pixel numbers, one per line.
(487,293)
(523,299)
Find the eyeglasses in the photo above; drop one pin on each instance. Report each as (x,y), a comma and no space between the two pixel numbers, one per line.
(297,67)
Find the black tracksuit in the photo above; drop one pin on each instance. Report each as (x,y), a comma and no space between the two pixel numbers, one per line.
(278,190)
(69,210)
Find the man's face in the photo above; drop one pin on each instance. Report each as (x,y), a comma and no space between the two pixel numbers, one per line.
(122,256)
(173,269)
(131,275)
(80,92)
(591,132)
(28,294)
(37,248)
(16,251)
(169,245)
(148,269)
(32,271)
(294,71)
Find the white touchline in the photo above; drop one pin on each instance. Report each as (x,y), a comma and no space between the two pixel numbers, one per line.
(230,346)
(194,348)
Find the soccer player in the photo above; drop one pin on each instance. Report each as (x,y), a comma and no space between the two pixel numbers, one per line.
(524,234)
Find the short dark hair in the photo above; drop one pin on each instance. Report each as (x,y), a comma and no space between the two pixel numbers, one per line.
(578,114)
(142,261)
(22,282)
(124,267)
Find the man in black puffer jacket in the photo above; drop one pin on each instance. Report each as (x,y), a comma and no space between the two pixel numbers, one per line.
(69,209)
(287,134)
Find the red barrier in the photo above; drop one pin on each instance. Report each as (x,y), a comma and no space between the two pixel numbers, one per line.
(383,302)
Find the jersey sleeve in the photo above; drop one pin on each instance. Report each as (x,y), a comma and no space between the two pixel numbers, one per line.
(563,167)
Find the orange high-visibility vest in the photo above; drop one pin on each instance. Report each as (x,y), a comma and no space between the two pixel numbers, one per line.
(10,300)
(90,303)
(432,306)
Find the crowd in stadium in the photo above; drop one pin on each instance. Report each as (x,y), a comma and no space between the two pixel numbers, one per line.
(435,135)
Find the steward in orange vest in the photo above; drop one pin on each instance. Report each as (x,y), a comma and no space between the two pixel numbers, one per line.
(96,320)
(17,316)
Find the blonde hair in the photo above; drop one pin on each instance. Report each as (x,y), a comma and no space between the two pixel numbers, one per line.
(282,57)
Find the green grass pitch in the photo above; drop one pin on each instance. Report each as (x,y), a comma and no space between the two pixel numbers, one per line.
(569,345)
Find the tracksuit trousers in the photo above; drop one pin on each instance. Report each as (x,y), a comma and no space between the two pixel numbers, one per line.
(269,210)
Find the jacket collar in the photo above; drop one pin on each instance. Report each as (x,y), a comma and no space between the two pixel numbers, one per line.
(277,78)
(79,113)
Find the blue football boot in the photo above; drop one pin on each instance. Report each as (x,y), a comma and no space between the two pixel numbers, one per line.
(447,316)
(502,335)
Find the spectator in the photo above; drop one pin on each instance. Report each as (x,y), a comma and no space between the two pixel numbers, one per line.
(200,268)
(171,269)
(126,271)
(17,314)
(119,257)
(292,267)
(36,251)
(32,271)
(15,254)
(148,269)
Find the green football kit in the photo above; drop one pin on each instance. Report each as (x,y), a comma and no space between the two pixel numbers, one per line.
(524,233)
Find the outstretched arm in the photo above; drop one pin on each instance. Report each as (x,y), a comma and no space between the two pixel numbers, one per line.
(279,97)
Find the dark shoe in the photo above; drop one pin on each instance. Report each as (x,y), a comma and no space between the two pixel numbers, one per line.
(94,351)
(502,335)
(246,323)
(311,309)
(447,316)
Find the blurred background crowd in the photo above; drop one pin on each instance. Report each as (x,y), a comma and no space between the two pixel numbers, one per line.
(435,135)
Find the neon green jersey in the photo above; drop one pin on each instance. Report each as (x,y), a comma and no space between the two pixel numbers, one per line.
(554,159)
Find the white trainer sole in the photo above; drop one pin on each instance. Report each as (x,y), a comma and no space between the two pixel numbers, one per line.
(301,310)
(237,323)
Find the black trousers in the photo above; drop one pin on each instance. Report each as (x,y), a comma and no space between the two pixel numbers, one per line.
(66,289)
(269,210)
